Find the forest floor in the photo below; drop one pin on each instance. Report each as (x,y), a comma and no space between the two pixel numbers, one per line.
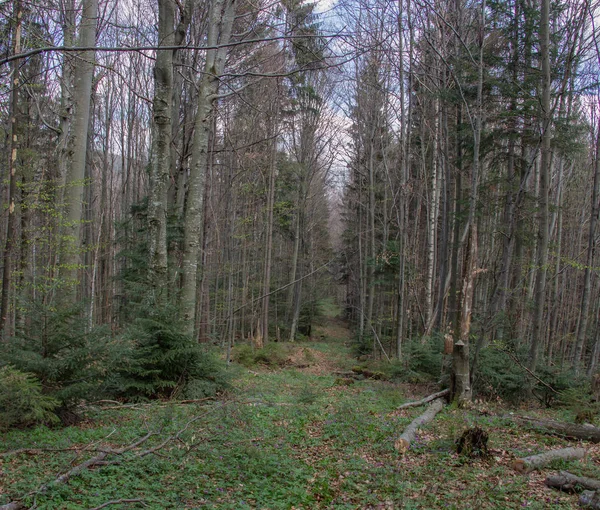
(291,436)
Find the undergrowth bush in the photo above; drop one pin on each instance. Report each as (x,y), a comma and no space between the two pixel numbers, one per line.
(70,359)
(498,376)
(164,361)
(502,375)
(22,402)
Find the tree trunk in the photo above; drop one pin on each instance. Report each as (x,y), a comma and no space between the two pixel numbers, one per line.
(221,17)
(591,249)
(568,482)
(529,464)
(11,223)
(70,250)
(542,247)
(559,428)
(409,434)
(160,161)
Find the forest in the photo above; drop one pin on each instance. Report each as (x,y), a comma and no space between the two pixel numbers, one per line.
(194,190)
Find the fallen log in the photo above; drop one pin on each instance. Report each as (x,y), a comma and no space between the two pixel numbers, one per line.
(425,400)
(590,499)
(409,434)
(528,464)
(584,432)
(568,482)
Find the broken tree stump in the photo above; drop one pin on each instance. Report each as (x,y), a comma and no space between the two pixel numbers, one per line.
(529,464)
(409,434)
(558,428)
(473,443)
(568,482)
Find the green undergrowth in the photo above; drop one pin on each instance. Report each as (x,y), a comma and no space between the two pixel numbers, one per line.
(285,437)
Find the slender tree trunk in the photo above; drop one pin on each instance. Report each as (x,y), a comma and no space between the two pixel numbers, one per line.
(591,249)
(542,258)
(269,236)
(70,251)
(160,161)
(221,17)
(461,390)
(11,231)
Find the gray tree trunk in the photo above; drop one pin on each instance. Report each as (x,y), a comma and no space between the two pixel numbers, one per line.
(542,258)
(160,162)
(83,72)
(221,17)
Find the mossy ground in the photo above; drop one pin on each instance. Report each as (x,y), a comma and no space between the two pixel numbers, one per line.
(288,436)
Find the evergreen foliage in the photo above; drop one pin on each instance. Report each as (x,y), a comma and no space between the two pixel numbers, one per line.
(69,358)
(22,402)
(163,360)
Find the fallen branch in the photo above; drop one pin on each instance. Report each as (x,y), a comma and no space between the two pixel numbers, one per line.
(568,482)
(425,400)
(529,464)
(409,434)
(590,499)
(584,432)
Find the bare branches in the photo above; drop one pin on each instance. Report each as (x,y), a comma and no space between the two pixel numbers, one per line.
(121,49)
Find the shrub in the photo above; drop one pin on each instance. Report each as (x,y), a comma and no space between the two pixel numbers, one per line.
(497,375)
(163,360)
(22,402)
(70,359)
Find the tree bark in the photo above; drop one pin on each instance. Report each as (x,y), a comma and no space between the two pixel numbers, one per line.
(559,428)
(425,400)
(70,250)
(529,464)
(11,231)
(591,249)
(409,434)
(542,247)
(160,161)
(221,17)
(568,482)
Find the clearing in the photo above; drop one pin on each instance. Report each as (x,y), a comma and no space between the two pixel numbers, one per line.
(292,434)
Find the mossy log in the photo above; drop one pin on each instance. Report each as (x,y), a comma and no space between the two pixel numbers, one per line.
(409,434)
(529,464)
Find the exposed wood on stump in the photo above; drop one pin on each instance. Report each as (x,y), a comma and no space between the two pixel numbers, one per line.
(408,436)
(590,499)
(568,482)
(570,430)
(528,464)
(425,400)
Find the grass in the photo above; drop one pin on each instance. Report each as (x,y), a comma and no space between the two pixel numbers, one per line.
(287,438)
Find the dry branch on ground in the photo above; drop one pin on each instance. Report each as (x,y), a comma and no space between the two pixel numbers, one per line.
(425,400)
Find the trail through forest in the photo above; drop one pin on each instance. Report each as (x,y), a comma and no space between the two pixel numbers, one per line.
(295,430)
